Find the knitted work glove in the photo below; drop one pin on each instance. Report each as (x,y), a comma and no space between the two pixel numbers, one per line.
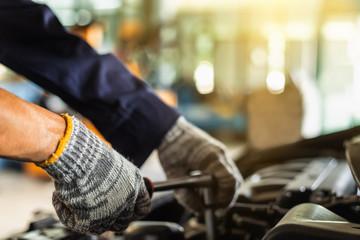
(96,189)
(186,148)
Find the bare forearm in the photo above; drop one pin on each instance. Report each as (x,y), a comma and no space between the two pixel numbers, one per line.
(27,131)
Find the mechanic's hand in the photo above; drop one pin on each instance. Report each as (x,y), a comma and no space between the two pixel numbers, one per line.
(96,188)
(186,148)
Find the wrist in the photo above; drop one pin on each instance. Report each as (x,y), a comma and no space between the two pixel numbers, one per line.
(27,132)
(58,140)
(51,130)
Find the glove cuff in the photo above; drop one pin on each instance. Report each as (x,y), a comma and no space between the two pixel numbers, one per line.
(76,152)
(62,143)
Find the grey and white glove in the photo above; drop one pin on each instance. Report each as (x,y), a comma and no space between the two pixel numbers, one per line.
(96,189)
(186,148)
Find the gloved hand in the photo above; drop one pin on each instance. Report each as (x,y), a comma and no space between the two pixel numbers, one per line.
(96,189)
(186,148)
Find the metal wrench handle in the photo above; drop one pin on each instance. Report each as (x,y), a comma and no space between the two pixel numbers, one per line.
(207,182)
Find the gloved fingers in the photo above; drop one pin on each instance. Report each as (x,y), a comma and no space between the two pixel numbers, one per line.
(74,219)
(139,211)
(66,216)
(141,208)
(176,172)
(190,199)
(225,188)
(227,176)
(224,192)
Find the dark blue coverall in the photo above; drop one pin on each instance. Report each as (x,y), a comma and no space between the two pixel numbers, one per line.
(34,44)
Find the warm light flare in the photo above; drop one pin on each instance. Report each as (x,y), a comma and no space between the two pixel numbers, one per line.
(204,77)
(275,82)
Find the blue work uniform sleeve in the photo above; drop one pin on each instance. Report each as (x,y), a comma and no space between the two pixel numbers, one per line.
(125,109)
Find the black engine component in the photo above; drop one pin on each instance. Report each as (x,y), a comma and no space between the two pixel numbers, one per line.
(313,222)
(297,181)
(268,194)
